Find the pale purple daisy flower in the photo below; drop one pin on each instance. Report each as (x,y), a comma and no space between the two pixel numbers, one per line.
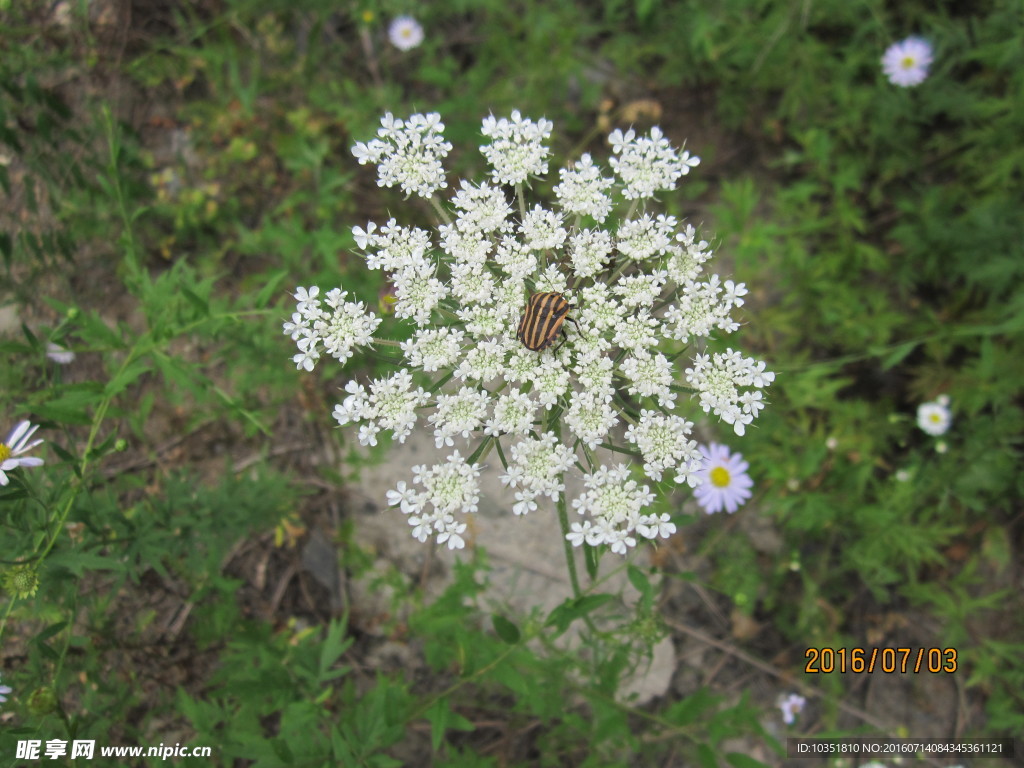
(5,690)
(405,33)
(906,63)
(16,444)
(725,482)
(791,706)
(58,354)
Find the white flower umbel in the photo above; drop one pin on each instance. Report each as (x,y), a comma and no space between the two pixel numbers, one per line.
(614,503)
(720,378)
(536,470)
(408,153)
(640,301)
(448,489)
(391,404)
(339,331)
(648,164)
(459,414)
(584,191)
(517,149)
(665,444)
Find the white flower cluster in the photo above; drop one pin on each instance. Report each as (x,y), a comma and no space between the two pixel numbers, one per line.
(517,149)
(649,164)
(638,294)
(408,153)
(346,326)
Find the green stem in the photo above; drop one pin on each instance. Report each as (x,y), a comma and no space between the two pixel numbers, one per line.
(439,210)
(563,521)
(570,560)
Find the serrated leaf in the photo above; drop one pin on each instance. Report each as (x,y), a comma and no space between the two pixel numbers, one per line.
(334,645)
(127,376)
(195,300)
(72,405)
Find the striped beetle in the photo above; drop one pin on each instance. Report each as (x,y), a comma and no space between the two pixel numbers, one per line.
(542,320)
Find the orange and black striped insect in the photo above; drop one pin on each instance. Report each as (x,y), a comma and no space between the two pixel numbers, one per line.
(542,320)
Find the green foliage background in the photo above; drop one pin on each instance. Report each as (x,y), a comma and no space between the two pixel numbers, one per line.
(881,229)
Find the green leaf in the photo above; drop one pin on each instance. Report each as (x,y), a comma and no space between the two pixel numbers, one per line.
(127,376)
(72,406)
(201,304)
(642,584)
(505,629)
(896,356)
(13,492)
(51,630)
(706,756)
(566,613)
(689,709)
(80,562)
(270,289)
(334,645)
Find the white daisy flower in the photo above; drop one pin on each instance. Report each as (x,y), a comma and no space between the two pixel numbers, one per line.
(906,63)
(13,448)
(405,33)
(935,418)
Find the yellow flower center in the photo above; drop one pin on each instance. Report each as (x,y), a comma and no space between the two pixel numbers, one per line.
(907,62)
(936,418)
(5,451)
(720,477)
(367,17)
